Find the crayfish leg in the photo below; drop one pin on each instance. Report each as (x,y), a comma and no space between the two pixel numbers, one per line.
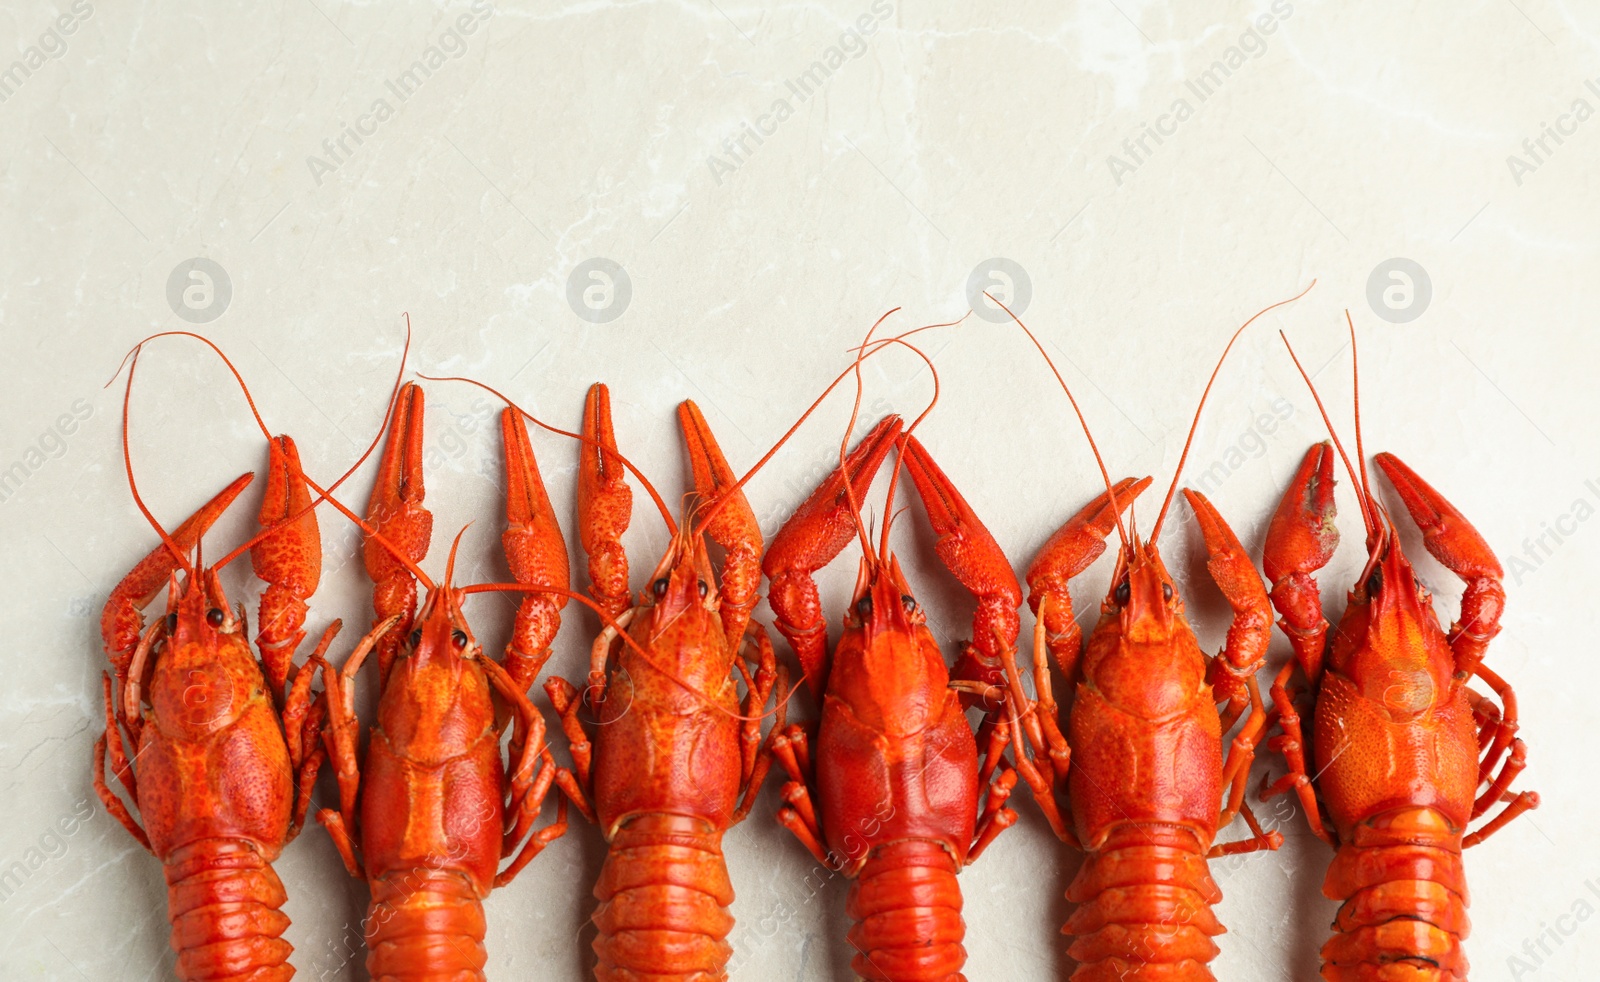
(578,783)
(1291,744)
(110,744)
(756,754)
(1301,540)
(798,814)
(529,777)
(1452,540)
(1250,632)
(1072,549)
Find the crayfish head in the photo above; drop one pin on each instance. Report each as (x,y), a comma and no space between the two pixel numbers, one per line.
(882,601)
(1143,595)
(201,677)
(1388,583)
(433,704)
(1390,642)
(684,583)
(440,632)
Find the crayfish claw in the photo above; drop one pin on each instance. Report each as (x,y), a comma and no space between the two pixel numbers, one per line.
(972,555)
(732,526)
(121,622)
(817,531)
(536,552)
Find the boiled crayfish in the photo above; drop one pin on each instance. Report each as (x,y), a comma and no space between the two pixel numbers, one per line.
(675,758)
(1142,757)
(223,761)
(1406,753)
(432,807)
(891,794)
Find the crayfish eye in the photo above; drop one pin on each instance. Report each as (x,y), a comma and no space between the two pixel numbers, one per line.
(864,607)
(1166,591)
(1375,581)
(659,587)
(458,638)
(1122,593)
(416,637)
(909,604)
(215,617)
(172,622)
(704,589)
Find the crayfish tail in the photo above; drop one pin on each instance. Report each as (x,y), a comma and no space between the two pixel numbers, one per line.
(425,925)
(1405,901)
(1144,909)
(664,894)
(223,900)
(906,908)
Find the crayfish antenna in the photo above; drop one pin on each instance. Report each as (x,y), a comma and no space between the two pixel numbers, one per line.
(1155,530)
(1094,448)
(863,352)
(173,548)
(1369,517)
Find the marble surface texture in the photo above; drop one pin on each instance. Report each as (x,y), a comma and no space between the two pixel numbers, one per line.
(714,199)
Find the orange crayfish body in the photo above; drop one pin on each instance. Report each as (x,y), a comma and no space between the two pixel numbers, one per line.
(1393,729)
(1397,750)
(1145,736)
(433,805)
(668,739)
(896,756)
(223,759)
(1142,756)
(431,810)
(896,795)
(667,785)
(1405,754)
(212,759)
(676,756)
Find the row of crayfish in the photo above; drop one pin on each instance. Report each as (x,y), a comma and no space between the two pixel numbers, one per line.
(903,778)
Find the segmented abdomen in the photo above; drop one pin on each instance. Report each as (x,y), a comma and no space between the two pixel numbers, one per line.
(223,900)
(1144,908)
(1405,901)
(664,894)
(905,906)
(425,925)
